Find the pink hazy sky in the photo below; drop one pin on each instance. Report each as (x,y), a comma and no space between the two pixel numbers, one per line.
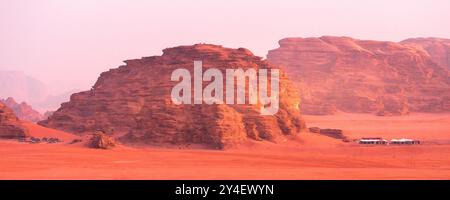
(67,44)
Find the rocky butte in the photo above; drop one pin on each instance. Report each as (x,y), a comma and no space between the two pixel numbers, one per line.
(10,126)
(363,76)
(133,103)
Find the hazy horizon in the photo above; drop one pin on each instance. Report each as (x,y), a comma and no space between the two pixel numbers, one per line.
(67,44)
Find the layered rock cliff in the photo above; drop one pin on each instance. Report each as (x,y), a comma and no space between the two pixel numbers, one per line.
(10,126)
(437,48)
(133,102)
(362,76)
(23,111)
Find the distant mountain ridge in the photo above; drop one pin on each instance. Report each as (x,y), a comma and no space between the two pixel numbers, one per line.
(24,88)
(23,111)
(365,76)
(21,87)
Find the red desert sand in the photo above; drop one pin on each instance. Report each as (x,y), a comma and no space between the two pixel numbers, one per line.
(309,156)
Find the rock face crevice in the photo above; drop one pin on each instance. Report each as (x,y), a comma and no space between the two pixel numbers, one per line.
(10,126)
(133,102)
(361,76)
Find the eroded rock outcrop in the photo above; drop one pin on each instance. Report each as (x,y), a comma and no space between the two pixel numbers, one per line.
(99,140)
(10,126)
(345,74)
(133,101)
(23,111)
(334,133)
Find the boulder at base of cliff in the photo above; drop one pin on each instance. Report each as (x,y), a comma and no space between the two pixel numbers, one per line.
(100,140)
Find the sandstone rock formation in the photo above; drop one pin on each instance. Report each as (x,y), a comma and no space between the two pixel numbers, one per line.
(345,74)
(314,129)
(100,140)
(334,133)
(23,111)
(10,126)
(437,48)
(133,101)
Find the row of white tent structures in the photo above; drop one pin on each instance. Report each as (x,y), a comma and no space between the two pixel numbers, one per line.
(381,141)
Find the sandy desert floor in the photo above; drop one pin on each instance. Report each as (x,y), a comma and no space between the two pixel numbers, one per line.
(310,156)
